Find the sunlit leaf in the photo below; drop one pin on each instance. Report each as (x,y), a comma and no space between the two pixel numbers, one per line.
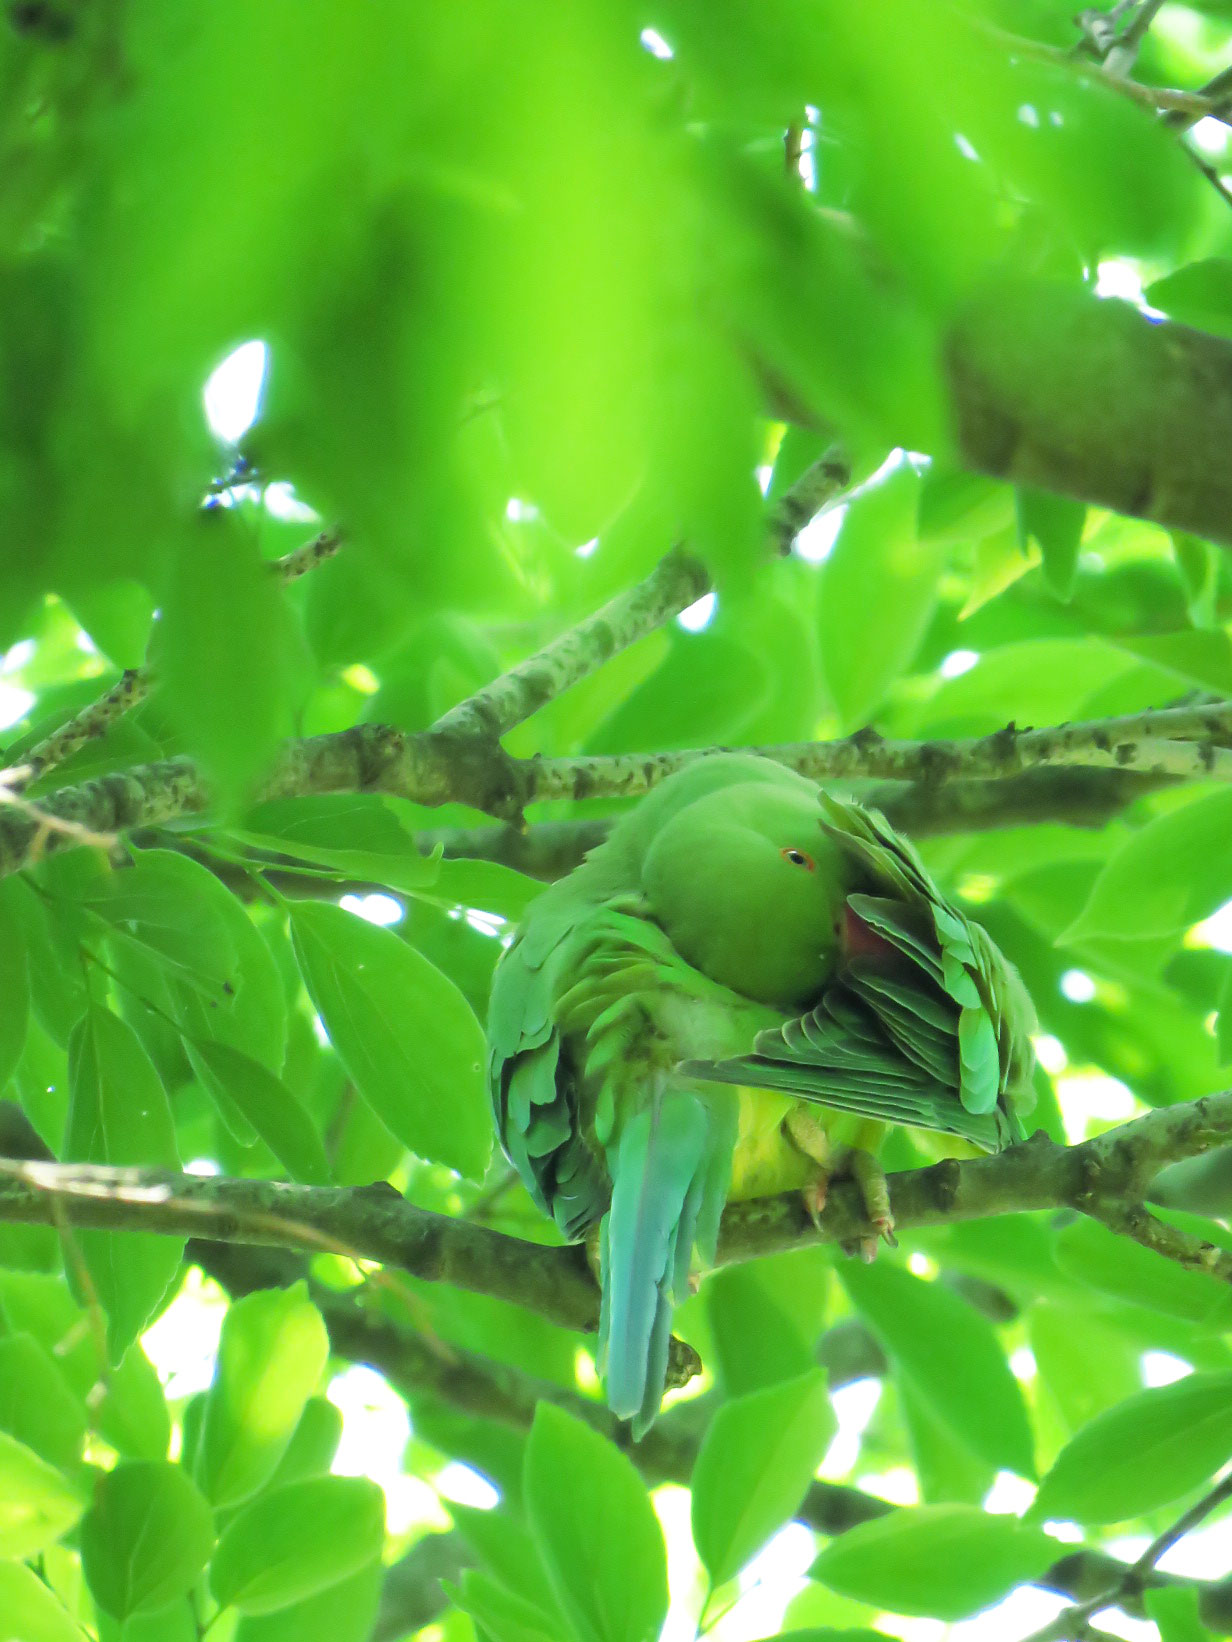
(404,1032)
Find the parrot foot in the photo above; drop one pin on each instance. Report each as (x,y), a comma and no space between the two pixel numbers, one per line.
(870,1179)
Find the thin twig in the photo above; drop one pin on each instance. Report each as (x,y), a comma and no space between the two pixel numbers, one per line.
(135,683)
(1072,1622)
(675,583)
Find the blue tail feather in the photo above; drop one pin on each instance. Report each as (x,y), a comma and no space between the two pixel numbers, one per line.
(663,1172)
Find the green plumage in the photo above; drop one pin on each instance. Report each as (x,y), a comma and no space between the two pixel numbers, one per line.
(739,927)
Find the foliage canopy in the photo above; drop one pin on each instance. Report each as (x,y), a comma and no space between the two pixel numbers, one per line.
(540,292)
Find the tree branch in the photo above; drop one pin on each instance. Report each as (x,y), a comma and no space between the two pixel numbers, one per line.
(376,1223)
(432,768)
(1132,1581)
(676,582)
(1054,388)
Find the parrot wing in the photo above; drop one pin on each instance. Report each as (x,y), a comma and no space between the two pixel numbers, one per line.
(530,1079)
(924,1022)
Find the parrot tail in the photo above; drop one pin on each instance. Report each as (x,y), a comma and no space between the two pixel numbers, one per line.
(669,1172)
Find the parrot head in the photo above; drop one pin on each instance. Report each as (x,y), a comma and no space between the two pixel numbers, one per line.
(750,890)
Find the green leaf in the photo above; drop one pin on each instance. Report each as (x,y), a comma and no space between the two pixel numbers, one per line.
(222,653)
(345,1612)
(755,1462)
(756,1343)
(31,1611)
(1199,294)
(1086,1365)
(146,1539)
(507,1550)
(952,1357)
(876,596)
(1145,1452)
(1056,523)
(957,507)
(314,1442)
(1127,1271)
(945,1561)
(293,1542)
(1167,875)
(404,1032)
(611,1586)
(14,966)
(271,1355)
(36,1503)
(119,1114)
(222,979)
(1175,1610)
(37,1404)
(270,1107)
(501,1613)
(356,835)
(133,1414)
(827,1634)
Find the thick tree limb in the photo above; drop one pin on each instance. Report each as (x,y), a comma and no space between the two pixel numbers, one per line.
(1054,388)
(374,1223)
(433,768)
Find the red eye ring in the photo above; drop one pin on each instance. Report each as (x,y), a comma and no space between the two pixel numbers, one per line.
(799,859)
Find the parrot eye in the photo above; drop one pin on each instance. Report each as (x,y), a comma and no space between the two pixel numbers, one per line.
(799,859)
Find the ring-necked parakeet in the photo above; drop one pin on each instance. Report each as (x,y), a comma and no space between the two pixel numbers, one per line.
(738,927)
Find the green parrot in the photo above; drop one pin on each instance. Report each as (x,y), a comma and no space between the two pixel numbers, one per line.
(732,996)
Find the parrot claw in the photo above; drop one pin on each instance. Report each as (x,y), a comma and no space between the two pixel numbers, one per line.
(814,1197)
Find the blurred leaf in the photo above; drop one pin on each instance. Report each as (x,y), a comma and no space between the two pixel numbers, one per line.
(119,1114)
(1145,1452)
(948,1561)
(14,912)
(755,1462)
(146,1538)
(948,1472)
(1056,523)
(1200,294)
(33,1612)
(133,1414)
(756,1343)
(405,1033)
(36,1504)
(959,507)
(313,1444)
(1199,563)
(876,594)
(117,615)
(223,649)
(952,1357)
(1086,1365)
(500,1613)
(270,1357)
(611,1586)
(1175,1610)
(1166,876)
(345,1612)
(37,1404)
(293,1542)
(1126,1270)
(507,1550)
